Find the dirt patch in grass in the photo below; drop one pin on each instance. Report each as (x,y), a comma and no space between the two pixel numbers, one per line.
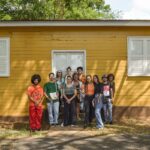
(127,127)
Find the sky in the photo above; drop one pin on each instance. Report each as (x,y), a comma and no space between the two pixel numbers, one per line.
(131,9)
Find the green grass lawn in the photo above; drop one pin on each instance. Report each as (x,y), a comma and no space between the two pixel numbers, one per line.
(128,127)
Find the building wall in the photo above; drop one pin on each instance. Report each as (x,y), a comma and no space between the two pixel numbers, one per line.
(106,50)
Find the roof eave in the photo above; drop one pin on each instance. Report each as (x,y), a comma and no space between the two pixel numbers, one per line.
(66,23)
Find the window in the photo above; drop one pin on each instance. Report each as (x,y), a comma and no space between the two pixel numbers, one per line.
(4,57)
(61,59)
(139,56)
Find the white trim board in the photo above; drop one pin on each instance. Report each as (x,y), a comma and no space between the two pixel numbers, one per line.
(137,69)
(69,51)
(7,74)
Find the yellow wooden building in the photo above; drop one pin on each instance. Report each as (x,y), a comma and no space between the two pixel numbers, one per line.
(121,47)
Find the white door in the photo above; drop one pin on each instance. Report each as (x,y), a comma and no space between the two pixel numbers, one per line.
(63,59)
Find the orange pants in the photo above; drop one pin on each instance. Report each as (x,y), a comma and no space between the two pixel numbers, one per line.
(35,117)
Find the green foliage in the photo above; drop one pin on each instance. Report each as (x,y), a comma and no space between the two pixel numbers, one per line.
(55,9)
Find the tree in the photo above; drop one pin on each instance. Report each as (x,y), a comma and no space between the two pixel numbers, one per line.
(55,9)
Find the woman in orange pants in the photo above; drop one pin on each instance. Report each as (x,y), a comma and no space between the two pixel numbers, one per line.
(35,94)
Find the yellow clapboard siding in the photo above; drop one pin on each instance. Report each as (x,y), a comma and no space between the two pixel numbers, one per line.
(106,51)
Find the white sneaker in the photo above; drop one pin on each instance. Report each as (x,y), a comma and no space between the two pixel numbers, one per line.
(62,124)
(100,128)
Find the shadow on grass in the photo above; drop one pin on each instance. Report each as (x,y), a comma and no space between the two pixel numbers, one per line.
(81,142)
(126,136)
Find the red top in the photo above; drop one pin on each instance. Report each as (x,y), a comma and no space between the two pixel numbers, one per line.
(36,92)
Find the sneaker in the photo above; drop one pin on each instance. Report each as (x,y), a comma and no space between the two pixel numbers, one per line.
(90,125)
(85,126)
(106,122)
(32,130)
(38,129)
(52,125)
(62,124)
(110,122)
(101,128)
(79,119)
(56,124)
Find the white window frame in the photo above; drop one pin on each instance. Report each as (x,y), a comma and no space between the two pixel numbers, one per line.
(8,56)
(68,51)
(144,38)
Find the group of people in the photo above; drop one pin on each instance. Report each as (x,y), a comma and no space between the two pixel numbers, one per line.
(71,93)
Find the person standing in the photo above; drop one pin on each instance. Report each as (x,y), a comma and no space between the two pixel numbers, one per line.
(52,96)
(68,73)
(60,82)
(111,79)
(97,85)
(107,99)
(89,95)
(97,101)
(69,94)
(35,94)
(77,84)
(82,79)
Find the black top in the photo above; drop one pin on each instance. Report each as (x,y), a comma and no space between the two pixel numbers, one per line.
(106,90)
(97,88)
(112,84)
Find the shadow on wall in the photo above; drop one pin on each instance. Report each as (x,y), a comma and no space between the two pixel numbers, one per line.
(130,91)
(14,99)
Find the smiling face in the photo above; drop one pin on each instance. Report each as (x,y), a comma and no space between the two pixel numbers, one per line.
(69,80)
(111,78)
(80,71)
(51,77)
(89,79)
(36,81)
(59,74)
(95,79)
(68,70)
(76,77)
(105,79)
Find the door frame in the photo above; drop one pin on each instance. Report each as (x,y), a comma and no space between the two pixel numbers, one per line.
(69,51)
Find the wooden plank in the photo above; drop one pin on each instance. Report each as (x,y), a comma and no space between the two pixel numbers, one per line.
(106,50)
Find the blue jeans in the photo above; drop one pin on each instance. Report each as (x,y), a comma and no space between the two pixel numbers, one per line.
(108,111)
(81,102)
(53,111)
(98,107)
